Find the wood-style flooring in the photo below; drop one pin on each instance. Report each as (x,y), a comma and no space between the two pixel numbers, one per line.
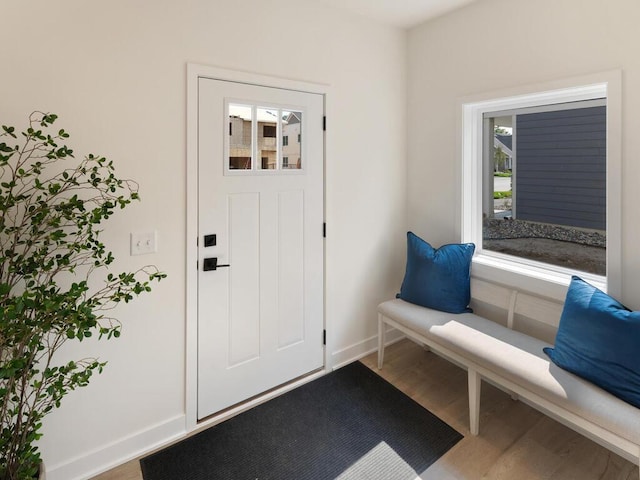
(515,442)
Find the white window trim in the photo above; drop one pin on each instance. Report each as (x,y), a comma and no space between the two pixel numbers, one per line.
(539,277)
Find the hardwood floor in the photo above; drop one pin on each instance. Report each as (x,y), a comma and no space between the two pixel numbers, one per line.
(515,443)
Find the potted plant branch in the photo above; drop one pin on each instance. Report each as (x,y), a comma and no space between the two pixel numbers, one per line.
(55,283)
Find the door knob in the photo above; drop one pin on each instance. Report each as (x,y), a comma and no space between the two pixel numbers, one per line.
(211,263)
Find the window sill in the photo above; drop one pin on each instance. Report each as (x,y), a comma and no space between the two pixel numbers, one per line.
(535,277)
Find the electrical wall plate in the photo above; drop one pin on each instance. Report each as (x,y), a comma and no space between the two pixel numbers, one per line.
(143,243)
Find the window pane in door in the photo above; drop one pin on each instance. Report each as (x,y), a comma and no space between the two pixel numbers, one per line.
(268,137)
(240,142)
(292,151)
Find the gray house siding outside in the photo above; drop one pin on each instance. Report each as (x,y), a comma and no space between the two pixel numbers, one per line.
(561,167)
(505,140)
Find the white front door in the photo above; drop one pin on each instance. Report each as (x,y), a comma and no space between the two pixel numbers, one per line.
(260,246)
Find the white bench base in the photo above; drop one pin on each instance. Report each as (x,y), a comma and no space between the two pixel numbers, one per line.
(440,333)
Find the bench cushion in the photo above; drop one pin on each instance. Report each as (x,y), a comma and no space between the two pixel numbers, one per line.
(520,359)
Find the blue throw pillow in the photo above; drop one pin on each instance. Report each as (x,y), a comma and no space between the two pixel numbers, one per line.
(437,278)
(599,340)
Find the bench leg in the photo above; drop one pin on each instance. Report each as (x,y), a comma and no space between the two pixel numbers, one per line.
(382,328)
(474,401)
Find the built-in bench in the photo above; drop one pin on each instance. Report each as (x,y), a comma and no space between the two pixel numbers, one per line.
(499,351)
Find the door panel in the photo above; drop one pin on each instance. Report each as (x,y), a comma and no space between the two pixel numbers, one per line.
(290,268)
(244,278)
(260,318)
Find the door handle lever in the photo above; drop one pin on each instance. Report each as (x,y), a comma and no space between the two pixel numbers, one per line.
(212,264)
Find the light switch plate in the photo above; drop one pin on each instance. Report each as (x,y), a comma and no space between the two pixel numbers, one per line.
(143,242)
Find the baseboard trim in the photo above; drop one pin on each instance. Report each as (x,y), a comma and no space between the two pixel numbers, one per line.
(361,349)
(119,452)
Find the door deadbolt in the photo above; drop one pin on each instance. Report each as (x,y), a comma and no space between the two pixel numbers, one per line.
(210,240)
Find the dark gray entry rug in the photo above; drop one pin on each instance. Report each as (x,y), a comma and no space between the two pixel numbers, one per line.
(350,424)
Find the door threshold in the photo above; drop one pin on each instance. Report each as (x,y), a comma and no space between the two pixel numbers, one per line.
(256,400)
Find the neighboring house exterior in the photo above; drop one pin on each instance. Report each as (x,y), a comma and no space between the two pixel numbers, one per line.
(240,138)
(558,159)
(561,173)
(503,143)
(240,135)
(239,143)
(292,141)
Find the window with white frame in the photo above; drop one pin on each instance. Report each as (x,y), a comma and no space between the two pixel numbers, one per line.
(541,182)
(258,139)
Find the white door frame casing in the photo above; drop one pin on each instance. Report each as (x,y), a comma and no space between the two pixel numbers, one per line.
(194,72)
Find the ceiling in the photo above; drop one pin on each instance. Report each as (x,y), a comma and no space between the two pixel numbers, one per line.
(399,13)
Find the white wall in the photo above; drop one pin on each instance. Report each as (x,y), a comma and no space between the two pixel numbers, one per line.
(503,44)
(115,73)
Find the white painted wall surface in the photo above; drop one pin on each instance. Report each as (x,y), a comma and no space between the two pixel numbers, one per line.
(504,44)
(115,73)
